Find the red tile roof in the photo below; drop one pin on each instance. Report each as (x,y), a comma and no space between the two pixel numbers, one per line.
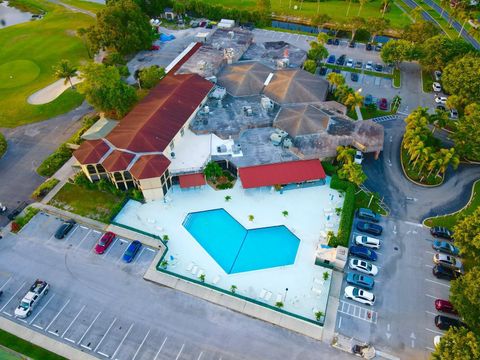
(191,180)
(149,166)
(117,161)
(91,151)
(281,173)
(154,122)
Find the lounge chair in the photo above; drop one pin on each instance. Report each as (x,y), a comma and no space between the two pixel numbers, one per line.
(216,280)
(268,296)
(190,267)
(263,293)
(194,270)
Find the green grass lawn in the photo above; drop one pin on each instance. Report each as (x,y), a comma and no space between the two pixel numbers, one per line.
(363,200)
(85,5)
(396,78)
(27,53)
(91,203)
(24,347)
(450,220)
(412,173)
(427,81)
(451,32)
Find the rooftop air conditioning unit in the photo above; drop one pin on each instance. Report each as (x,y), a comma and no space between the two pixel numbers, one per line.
(172,154)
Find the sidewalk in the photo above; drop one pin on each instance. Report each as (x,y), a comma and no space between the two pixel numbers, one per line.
(62,174)
(332,306)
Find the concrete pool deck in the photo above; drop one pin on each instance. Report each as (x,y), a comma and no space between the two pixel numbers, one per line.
(311,212)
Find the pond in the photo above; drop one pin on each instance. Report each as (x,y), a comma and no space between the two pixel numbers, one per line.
(11,16)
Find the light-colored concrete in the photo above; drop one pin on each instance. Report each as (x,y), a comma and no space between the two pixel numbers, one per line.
(51,92)
(43,341)
(332,306)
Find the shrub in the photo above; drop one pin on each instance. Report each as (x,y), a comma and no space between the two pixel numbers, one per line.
(21,221)
(3,145)
(44,188)
(329,168)
(225,186)
(114,58)
(346,219)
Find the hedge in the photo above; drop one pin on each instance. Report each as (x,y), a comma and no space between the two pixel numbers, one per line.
(20,221)
(329,168)
(44,188)
(348,210)
(3,145)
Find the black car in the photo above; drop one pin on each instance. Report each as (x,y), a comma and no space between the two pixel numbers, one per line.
(351,44)
(338,71)
(363,253)
(336,42)
(64,229)
(341,60)
(441,232)
(378,67)
(369,228)
(17,211)
(330,41)
(323,70)
(354,77)
(442,272)
(444,322)
(369,47)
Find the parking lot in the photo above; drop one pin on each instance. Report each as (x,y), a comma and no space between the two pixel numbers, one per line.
(401,322)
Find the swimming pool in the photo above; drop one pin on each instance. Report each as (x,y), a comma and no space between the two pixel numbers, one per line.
(237,249)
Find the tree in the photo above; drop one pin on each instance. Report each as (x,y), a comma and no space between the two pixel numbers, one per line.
(264,6)
(342,93)
(467,136)
(150,76)
(317,52)
(123,26)
(464,291)
(354,99)
(335,79)
(310,66)
(361,3)
(104,89)
(385,6)
(396,51)
(419,31)
(353,173)
(320,20)
(376,26)
(64,70)
(455,102)
(212,171)
(458,344)
(467,237)
(461,78)
(440,50)
(354,24)
(345,154)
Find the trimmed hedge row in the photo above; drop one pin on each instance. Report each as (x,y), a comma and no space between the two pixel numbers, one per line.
(44,188)
(329,168)
(348,210)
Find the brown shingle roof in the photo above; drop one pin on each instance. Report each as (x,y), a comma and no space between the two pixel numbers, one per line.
(91,151)
(149,166)
(154,122)
(117,161)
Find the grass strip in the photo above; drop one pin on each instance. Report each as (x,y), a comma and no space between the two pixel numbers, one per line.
(26,348)
(359,71)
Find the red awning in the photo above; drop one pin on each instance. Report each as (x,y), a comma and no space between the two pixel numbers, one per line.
(281,173)
(191,180)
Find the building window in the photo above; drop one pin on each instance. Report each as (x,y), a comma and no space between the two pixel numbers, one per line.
(182,131)
(172,145)
(100,168)
(118,176)
(127,175)
(91,169)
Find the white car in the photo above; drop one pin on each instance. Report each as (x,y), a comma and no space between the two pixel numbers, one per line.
(349,63)
(367,241)
(437,87)
(436,340)
(453,115)
(363,267)
(441,100)
(437,74)
(358,157)
(369,65)
(359,295)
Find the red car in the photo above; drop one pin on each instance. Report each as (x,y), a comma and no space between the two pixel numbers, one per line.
(444,306)
(154,47)
(104,242)
(383,104)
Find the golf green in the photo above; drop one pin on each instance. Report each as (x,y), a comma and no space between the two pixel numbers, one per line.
(17,73)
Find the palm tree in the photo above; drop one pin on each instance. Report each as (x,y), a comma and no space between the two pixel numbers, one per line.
(353,100)
(320,20)
(64,70)
(335,79)
(361,2)
(376,26)
(385,4)
(424,158)
(356,23)
(345,154)
(416,13)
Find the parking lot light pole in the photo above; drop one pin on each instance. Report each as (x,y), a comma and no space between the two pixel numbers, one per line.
(285,297)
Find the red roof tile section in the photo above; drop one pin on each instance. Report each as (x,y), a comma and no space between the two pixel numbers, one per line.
(149,166)
(155,121)
(91,151)
(281,173)
(191,180)
(117,161)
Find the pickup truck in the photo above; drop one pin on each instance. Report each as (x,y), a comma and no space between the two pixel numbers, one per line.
(31,299)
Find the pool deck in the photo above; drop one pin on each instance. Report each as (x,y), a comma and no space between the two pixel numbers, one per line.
(310,213)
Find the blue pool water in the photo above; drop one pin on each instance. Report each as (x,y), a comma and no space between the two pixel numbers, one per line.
(237,249)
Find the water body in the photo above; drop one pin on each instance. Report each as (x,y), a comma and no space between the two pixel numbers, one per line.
(11,16)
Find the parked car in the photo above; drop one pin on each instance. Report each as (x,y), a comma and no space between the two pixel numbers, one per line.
(349,63)
(323,70)
(338,71)
(368,100)
(437,87)
(358,157)
(351,44)
(363,267)
(104,242)
(448,261)
(336,42)
(341,60)
(378,47)
(378,67)
(331,59)
(367,241)
(437,75)
(330,41)
(359,295)
(453,114)
(367,214)
(441,232)
(383,104)
(64,229)
(443,272)
(360,280)
(441,107)
(354,77)
(369,228)
(358,65)
(154,47)
(369,65)
(363,253)
(131,251)
(444,322)
(369,47)
(441,99)
(445,306)
(445,247)
(436,340)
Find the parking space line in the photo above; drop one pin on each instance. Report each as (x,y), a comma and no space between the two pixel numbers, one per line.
(43,307)
(431,313)
(199,356)
(431,296)
(58,314)
(104,335)
(103,354)
(70,235)
(161,347)
(97,232)
(7,313)
(434,331)
(38,326)
(439,283)
(367,315)
(16,292)
(70,340)
(22,320)
(84,227)
(148,249)
(121,342)
(111,246)
(87,347)
(429,348)
(53,332)
(180,352)
(86,331)
(139,255)
(80,243)
(428,265)
(6,282)
(74,319)
(430,252)
(141,344)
